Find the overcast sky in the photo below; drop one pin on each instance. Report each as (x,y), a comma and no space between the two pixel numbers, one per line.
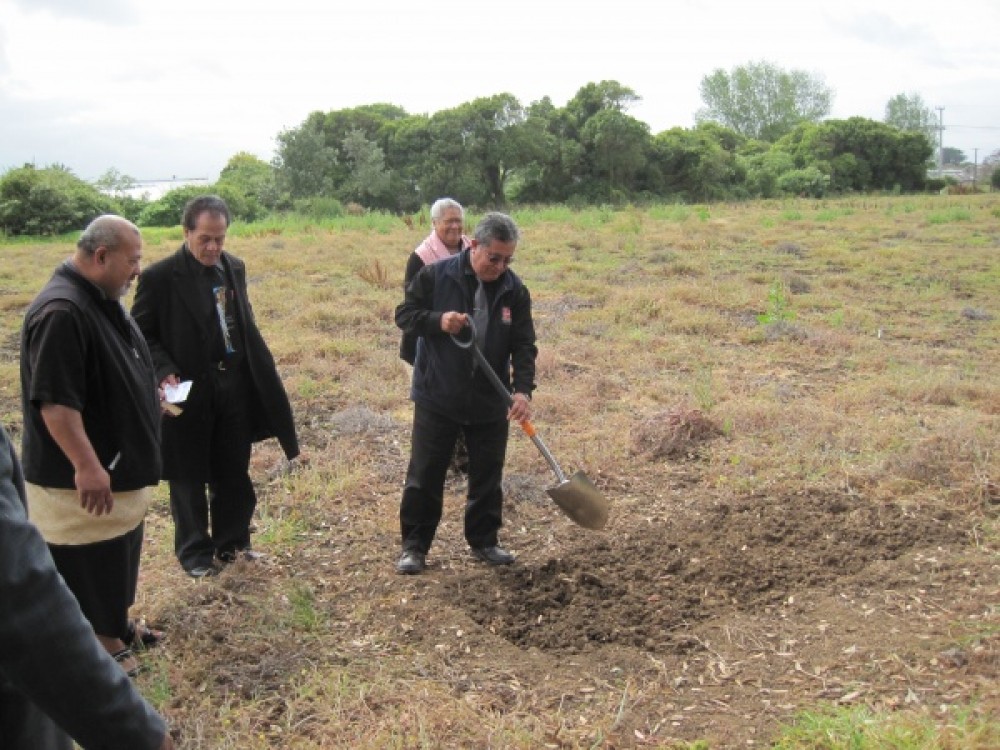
(162,89)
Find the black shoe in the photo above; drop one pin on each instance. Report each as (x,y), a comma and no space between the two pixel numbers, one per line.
(411,562)
(493,555)
(247,554)
(202,571)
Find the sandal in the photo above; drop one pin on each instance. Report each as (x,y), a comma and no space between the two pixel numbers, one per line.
(124,655)
(141,636)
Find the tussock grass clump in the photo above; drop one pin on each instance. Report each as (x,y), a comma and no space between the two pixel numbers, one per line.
(674,433)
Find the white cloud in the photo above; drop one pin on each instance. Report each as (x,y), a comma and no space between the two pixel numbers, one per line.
(159,89)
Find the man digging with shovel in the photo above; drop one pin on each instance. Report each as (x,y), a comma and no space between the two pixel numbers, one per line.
(452,394)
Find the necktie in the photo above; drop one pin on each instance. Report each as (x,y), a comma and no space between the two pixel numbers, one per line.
(481,315)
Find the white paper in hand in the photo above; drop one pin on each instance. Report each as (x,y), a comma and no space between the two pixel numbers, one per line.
(177,394)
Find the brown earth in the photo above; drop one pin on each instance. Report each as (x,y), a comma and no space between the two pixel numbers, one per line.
(690,617)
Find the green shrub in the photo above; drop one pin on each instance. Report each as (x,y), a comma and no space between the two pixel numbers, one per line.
(808,182)
(319,208)
(48,201)
(166,212)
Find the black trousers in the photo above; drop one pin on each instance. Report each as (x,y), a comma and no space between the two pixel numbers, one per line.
(431,448)
(218,522)
(103,577)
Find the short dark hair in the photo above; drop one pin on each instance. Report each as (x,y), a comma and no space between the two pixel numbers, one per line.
(202,204)
(496,226)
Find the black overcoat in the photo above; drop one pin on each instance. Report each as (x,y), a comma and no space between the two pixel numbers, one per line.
(167,310)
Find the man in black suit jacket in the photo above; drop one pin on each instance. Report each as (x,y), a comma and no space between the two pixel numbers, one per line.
(57,683)
(193,309)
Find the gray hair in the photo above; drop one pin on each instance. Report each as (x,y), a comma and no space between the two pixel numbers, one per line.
(441,204)
(496,226)
(107,230)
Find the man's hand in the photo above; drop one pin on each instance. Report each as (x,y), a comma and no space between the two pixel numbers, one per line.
(453,322)
(520,410)
(93,485)
(171,410)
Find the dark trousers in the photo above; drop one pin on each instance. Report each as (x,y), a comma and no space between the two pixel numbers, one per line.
(431,449)
(103,577)
(218,522)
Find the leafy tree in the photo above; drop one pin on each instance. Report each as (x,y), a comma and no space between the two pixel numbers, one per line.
(598,97)
(763,170)
(760,100)
(995,179)
(368,176)
(693,164)
(255,181)
(167,210)
(909,113)
(407,142)
(305,162)
(114,182)
(555,172)
(860,154)
(51,200)
(953,156)
(618,145)
(808,182)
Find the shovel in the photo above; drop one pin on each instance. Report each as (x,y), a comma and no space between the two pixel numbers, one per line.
(577,496)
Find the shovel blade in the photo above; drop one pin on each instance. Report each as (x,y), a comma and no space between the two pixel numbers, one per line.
(579,499)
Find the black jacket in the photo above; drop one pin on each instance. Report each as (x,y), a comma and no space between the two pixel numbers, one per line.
(444,377)
(48,652)
(168,308)
(114,385)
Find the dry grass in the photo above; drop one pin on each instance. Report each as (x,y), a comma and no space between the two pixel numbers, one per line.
(656,378)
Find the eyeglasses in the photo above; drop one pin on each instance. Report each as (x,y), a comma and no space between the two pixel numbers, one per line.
(495,259)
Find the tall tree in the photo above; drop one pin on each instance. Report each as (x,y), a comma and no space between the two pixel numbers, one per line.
(761,100)
(255,180)
(368,177)
(305,162)
(909,113)
(618,145)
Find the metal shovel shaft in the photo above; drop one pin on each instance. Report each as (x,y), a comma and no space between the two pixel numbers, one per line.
(577,496)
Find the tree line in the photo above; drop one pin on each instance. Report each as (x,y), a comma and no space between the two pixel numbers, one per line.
(761,134)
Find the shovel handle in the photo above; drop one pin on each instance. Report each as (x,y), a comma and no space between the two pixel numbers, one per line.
(526,425)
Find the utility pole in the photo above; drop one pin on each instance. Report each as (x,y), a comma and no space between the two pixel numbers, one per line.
(975,167)
(940,142)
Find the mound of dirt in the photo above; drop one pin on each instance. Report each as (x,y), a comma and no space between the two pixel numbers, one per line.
(647,587)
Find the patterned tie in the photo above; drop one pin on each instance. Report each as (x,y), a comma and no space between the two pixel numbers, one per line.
(481,315)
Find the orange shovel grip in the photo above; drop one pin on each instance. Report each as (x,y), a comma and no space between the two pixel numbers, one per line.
(529,429)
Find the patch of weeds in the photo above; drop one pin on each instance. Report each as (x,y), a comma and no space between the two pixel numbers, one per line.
(972,313)
(703,389)
(662,256)
(783,329)
(376,274)
(674,212)
(859,728)
(791,215)
(777,305)
(951,216)
(304,613)
(791,248)
(798,285)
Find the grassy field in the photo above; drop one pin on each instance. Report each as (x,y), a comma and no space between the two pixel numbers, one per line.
(793,407)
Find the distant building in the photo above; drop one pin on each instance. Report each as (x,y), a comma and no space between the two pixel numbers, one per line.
(155,189)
